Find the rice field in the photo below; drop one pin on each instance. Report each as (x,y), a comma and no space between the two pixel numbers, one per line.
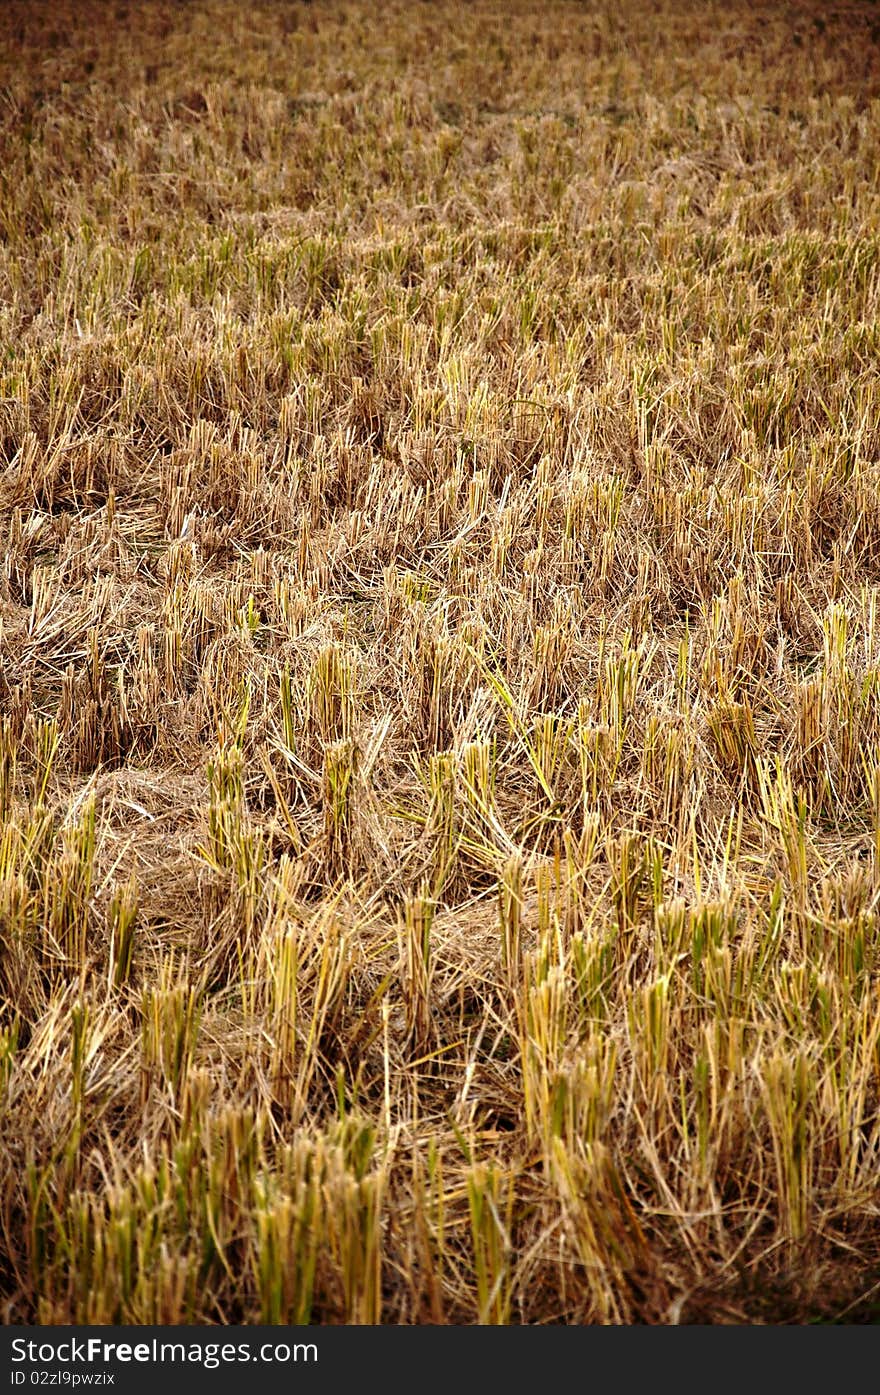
(439,662)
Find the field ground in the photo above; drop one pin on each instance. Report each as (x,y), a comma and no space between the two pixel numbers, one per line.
(440,688)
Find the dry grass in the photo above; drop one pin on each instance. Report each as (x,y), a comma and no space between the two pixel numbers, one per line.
(440,751)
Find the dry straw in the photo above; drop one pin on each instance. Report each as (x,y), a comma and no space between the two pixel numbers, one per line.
(439,662)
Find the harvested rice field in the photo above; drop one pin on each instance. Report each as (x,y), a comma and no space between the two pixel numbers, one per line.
(439,662)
